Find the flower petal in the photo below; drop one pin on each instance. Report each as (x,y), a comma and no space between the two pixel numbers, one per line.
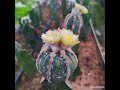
(68,38)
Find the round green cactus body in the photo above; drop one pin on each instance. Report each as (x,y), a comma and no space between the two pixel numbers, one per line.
(74,21)
(58,66)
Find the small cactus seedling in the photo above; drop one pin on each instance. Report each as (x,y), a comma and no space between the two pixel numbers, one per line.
(56,60)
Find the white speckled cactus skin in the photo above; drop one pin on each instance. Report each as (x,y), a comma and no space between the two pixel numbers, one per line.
(56,60)
(59,53)
(76,21)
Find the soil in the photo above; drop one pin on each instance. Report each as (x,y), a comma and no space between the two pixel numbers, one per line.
(27,84)
(92,67)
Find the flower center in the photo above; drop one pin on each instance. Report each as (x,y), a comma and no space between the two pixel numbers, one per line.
(68,38)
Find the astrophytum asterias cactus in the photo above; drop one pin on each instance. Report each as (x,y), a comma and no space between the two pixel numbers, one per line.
(56,60)
(74,20)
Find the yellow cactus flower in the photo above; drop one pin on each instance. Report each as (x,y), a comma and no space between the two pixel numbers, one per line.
(83,9)
(51,36)
(68,38)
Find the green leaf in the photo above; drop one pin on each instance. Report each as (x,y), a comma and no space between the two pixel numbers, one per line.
(26,62)
(20,12)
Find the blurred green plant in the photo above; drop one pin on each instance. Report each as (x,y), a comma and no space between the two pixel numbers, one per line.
(64,4)
(20,12)
(86,18)
(23,11)
(98,18)
(25,60)
(26,2)
(98,15)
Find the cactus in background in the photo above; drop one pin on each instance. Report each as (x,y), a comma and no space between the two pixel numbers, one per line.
(86,18)
(78,19)
(29,30)
(36,15)
(54,12)
(74,21)
(78,1)
(64,5)
(31,37)
(25,60)
(69,8)
(54,86)
(56,60)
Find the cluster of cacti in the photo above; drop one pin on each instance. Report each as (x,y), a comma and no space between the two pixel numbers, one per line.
(56,60)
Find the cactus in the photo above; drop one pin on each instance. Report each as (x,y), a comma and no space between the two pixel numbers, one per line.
(28,30)
(56,60)
(78,1)
(54,86)
(64,7)
(86,18)
(77,21)
(54,12)
(32,38)
(36,16)
(59,67)
(74,21)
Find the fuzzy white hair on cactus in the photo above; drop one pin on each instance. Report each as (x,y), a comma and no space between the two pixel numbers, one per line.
(74,20)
